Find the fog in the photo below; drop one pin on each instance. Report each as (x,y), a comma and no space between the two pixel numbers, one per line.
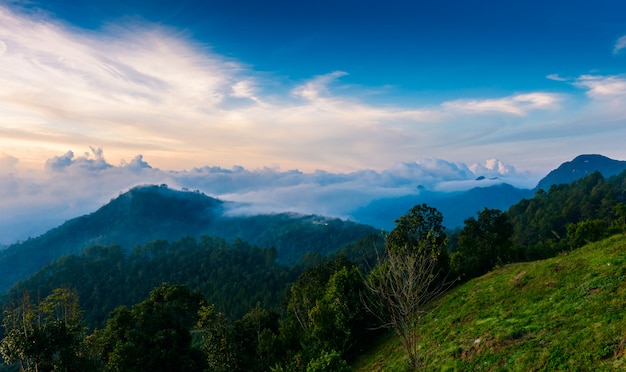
(70,185)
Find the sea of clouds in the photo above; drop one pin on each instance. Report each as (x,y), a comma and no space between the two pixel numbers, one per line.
(72,184)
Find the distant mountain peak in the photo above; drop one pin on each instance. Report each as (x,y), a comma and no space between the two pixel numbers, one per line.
(581,166)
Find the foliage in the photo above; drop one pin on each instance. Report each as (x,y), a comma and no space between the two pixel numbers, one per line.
(328,361)
(153,335)
(258,321)
(483,244)
(234,277)
(585,232)
(540,224)
(45,336)
(324,312)
(420,225)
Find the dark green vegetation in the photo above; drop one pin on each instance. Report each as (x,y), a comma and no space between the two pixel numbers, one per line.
(232,306)
(148,213)
(568,216)
(235,277)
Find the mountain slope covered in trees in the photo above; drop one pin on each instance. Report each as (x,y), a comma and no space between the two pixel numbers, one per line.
(580,167)
(147,213)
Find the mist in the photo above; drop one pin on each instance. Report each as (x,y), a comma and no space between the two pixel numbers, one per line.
(71,185)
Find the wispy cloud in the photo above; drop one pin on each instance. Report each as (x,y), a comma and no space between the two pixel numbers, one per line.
(620,44)
(556,77)
(598,86)
(519,104)
(149,87)
(317,87)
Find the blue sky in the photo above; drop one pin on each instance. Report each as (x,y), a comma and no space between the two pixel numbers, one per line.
(363,91)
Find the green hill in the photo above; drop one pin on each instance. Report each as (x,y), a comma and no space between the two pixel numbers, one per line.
(566,313)
(147,213)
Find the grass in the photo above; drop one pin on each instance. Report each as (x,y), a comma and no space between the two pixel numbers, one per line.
(566,313)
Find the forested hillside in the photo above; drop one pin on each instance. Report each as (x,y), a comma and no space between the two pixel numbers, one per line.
(234,277)
(582,166)
(148,213)
(568,216)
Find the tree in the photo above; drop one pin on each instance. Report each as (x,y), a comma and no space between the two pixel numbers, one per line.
(483,243)
(421,225)
(585,232)
(256,338)
(217,340)
(409,277)
(337,317)
(45,336)
(154,335)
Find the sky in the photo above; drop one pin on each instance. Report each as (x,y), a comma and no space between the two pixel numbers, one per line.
(96,97)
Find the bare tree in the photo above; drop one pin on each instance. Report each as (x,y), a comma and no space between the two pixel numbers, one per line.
(403,282)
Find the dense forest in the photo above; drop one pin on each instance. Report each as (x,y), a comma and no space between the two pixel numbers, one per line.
(207,304)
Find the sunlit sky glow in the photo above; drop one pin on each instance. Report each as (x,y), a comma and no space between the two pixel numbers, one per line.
(338,86)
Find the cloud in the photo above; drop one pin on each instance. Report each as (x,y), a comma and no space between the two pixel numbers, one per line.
(519,104)
(72,185)
(619,44)
(147,87)
(556,77)
(58,163)
(598,86)
(7,163)
(318,86)
(492,168)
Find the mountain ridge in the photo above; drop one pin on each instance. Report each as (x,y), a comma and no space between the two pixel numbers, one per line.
(579,167)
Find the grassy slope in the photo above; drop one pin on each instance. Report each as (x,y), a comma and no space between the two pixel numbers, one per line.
(567,313)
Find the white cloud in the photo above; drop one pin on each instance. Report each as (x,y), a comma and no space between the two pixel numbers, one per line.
(556,77)
(619,44)
(145,87)
(7,163)
(519,104)
(598,86)
(318,86)
(491,168)
(244,89)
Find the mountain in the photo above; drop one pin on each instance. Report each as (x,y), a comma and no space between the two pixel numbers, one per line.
(579,167)
(561,314)
(147,213)
(455,206)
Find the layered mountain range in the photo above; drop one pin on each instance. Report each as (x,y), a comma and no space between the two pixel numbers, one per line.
(146,213)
